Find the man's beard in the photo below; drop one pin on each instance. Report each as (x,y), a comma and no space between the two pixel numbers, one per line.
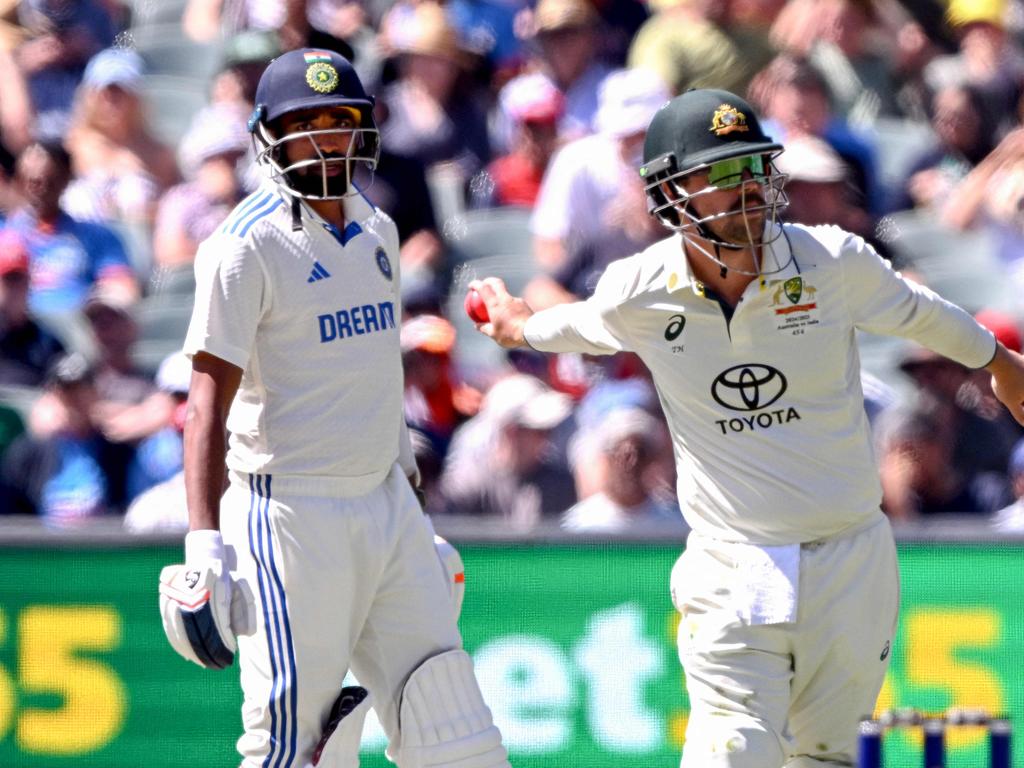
(737,229)
(309,181)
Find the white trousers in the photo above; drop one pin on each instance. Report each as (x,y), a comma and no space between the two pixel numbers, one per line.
(768,695)
(331,583)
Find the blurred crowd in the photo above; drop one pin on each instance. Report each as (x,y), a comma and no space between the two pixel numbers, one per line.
(511,134)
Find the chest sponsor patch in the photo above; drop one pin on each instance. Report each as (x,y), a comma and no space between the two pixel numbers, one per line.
(794,303)
(356,321)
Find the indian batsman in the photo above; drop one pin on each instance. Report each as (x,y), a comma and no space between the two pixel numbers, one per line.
(788,587)
(317,558)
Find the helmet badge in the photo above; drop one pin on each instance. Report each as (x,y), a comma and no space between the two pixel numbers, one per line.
(321,75)
(727,119)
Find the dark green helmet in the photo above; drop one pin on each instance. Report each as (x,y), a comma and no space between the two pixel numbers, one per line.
(701,127)
(715,133)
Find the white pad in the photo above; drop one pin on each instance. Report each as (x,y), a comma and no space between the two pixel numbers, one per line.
(443,718)
(195,606)
(339,746)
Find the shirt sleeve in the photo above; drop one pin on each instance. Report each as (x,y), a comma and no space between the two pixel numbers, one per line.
(594,326)
(232,295)
(882,301)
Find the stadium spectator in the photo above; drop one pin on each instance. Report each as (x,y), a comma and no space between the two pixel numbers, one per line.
(795,101)
(919,474)
(963,142)
(430,397)
(64,470)
(818,187)
(245,57)
(62,36)
(624,446)
(566,34)
(159,453)
(501,463)
(206,20)
(988,59)
(118,381)
(211,156)
(591,192)
(977,444)
(687,49)
(435,114)
(533,105)
(27,349)
(120,169)
(68,257)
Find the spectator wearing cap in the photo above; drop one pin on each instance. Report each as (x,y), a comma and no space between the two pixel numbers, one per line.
(502,463)
(566,36)
(68,258)
(211,155)
(62,35)
(245,57)
(592,198)
(120,168)
(818,187)
(68,472)
(534,106)
(431,394)
(624,445)
(435,112)
(119,383)
(27,349)
(1010,519)
(989,60)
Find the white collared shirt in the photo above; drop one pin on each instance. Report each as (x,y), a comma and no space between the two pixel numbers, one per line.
(312,319)
(766,409)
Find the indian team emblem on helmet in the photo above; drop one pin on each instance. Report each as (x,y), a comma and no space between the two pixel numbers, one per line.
(728,119)
(321,75)
(383,263)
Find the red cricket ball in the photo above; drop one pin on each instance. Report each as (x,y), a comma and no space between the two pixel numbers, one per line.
(475,307)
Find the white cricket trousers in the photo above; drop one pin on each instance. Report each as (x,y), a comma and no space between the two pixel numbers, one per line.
(768,695)
(331,583)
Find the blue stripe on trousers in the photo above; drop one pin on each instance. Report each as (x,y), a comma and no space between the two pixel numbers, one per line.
(291,731)
(255,504)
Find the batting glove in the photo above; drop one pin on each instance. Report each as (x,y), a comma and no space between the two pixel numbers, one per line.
(195,603)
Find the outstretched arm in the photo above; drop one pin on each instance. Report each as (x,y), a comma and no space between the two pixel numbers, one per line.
(1007,369)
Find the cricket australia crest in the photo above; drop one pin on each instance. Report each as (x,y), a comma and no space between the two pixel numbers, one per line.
(727,119)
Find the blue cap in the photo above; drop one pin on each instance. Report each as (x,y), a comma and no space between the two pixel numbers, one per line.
(308,78)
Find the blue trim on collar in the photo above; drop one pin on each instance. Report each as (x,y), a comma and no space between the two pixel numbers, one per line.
(351,230)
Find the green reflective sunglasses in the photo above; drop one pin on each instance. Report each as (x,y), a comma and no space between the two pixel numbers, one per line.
(725,173)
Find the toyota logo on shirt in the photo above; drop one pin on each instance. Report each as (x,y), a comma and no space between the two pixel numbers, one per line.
(748,387)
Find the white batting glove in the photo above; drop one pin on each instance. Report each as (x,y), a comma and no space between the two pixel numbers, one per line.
(195,602)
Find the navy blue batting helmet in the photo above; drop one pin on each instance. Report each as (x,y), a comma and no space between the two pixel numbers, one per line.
(304,79)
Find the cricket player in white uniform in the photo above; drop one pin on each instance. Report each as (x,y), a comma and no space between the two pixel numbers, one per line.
(788,587)
(317,558)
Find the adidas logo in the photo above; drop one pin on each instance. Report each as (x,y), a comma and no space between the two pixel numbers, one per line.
(318,273)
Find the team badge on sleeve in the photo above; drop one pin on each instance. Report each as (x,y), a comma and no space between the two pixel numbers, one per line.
(383,262)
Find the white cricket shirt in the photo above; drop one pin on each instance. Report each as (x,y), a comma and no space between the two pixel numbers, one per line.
(766,410)
(312,318)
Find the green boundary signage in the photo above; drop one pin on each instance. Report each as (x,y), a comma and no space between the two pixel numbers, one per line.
(574,647)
